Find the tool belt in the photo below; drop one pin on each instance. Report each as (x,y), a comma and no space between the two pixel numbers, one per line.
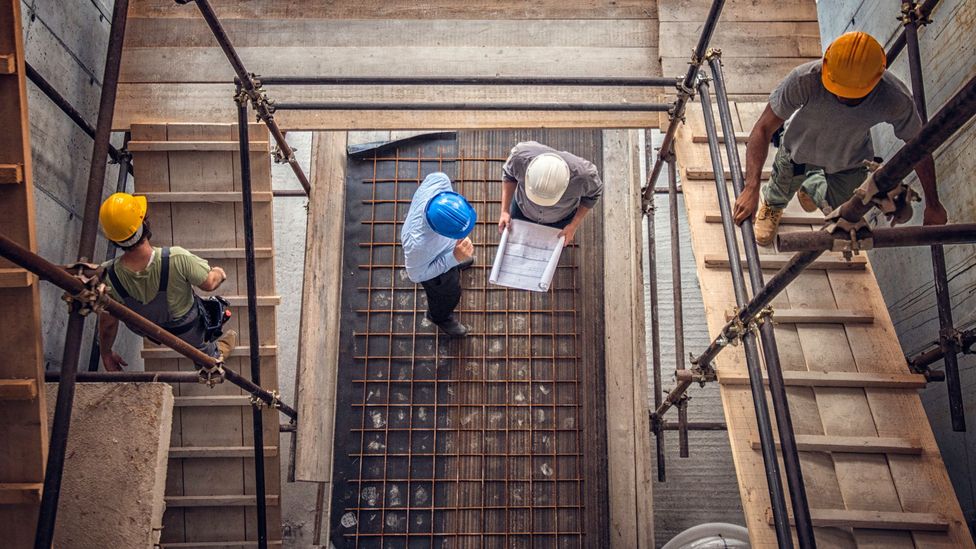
(214,313)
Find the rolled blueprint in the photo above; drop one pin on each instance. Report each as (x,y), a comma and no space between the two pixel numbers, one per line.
(547,275)
(497,266)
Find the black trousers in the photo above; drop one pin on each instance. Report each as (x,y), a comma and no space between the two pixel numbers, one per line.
(517,213)
(443,295)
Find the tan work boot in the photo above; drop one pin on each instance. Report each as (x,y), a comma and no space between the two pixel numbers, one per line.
(806,202)
(227,343)
(767,222)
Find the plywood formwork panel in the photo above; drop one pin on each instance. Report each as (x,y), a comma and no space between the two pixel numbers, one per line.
(892,482)
(23,422)
(214,230)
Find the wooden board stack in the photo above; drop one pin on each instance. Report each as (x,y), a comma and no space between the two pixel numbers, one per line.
(196,204)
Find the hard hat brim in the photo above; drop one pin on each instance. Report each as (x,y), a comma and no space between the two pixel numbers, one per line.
(539,200)
(847,92)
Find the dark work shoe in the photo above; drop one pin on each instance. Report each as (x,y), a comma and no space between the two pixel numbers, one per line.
(450,327)
(466,264)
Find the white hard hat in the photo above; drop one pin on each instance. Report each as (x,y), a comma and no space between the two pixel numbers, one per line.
(546,179)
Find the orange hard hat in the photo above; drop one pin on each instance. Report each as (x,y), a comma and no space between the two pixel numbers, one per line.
(853,65)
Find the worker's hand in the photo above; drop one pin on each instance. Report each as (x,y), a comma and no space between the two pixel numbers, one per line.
(746,204)
(569,232)
(504,221)
(463,250)
(113,362)
(935,214)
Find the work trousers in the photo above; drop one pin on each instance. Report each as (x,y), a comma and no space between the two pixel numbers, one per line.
(516,213)
(828,190)
(443,295)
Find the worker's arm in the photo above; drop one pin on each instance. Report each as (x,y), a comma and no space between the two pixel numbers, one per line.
(570,231)
(108,328)
(757,149)
(935,212)
(214,279)
(508,192)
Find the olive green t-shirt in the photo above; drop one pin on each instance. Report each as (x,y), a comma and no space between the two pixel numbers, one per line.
(185,270)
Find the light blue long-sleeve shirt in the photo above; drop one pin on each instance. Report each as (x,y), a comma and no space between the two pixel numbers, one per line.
(426,253)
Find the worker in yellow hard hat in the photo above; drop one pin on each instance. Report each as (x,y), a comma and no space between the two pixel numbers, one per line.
(157,283)
(821,117)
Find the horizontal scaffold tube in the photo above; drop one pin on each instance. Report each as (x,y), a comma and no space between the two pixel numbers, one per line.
(626,81)
(959,233)
(60,277)
(350,106)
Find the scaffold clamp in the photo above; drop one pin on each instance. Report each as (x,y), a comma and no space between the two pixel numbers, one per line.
(93,297)
(212,375)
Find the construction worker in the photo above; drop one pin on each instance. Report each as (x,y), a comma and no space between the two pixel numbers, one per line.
(549,187)
(155,283)
(436,248)
(829,107)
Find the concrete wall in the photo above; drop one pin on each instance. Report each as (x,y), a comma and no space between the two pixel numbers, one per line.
(905,275)
(66,42)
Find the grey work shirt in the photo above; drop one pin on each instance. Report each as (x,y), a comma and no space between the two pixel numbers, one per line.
(837,137)
(585,186)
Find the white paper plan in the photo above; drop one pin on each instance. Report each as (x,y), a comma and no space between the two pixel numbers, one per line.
(527,256)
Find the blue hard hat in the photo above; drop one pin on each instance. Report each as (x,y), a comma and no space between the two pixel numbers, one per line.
(450,215)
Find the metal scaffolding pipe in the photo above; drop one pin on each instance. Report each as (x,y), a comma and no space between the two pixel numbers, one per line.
(679,322)
(925,235)
(925,359)
(777,388)
(697,426)
(44,534)
(655,335)
(924,10)
(953,115)
(128,377)
(72,113)
(255,94)
(588,107)
(625,81)
(781,520)
(685,92)
(257,419)
(60,277)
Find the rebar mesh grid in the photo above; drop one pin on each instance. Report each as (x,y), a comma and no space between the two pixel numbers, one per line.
(454,443)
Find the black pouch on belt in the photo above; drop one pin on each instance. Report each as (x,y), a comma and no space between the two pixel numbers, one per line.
(216,313)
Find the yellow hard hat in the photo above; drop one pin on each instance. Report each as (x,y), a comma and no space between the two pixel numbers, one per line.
(121,216)
(853,65)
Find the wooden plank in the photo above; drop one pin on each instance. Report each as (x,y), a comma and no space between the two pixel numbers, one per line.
(744,75)
(208,65)
(740,137)
(878,520)
(405,9)
(241,350)
(16,277)
(194,452)
(203,146)
(232,253)
(854,445)
(818,316)
(18,389)
(628,445)
(755,39)
(707,174)
(11,174)
(789,218)
(218,501)
(217,400)
(262,300)
(832,379)
(8,63)
(738,10)
(20,493)
(209,196)
(858,262)
(358,33)
(319,330)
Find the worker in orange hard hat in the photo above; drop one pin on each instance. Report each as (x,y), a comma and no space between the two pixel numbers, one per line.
(821,117)
(157,283)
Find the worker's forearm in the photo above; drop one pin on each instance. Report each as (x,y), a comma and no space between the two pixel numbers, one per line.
(580,214)
(508,191)
(757,150)
(926,176)
(108,329)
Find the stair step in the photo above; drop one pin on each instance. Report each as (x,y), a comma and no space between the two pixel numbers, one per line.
(239,351)
(205,197)
(698,174)
(191,452)
(263,300)
(823,263)
(18,389)
(206,401)
(15,277)
(20,493)
(217,501)
(855,445)
(818,316)
(787,219)
(201,146)
(231,253)
(8,63)
(729,376)
(879,520)
(11,173)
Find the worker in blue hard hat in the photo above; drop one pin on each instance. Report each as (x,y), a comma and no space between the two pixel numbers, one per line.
(436,248)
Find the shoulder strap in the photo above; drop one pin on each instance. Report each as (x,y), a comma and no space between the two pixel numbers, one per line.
(164,273)
(116,283)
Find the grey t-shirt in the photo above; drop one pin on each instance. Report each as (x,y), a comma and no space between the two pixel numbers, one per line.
(826,133)
(585,186)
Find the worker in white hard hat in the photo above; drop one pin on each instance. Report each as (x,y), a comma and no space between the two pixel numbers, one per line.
(548,187)
(157,283)
(825,110)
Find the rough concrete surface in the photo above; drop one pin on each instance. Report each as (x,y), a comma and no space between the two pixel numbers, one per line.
(115,466)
